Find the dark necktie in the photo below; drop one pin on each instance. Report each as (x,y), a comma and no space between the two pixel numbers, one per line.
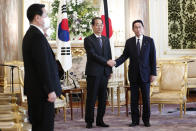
(100,42)
(138,46)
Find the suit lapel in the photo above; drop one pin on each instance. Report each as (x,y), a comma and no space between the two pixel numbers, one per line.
(135,47)
(143,44)
(103,44)
(96,42)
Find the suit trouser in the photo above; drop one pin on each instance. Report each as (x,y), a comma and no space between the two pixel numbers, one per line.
(145,90)
(96,88)
(41,114)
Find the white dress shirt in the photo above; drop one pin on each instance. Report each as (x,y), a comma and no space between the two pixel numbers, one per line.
(97,35)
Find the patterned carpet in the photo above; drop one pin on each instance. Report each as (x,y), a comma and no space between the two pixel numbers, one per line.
(169,120)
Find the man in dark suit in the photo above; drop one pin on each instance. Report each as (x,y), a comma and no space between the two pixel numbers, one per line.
(98,72)
(142,70)
(41,82)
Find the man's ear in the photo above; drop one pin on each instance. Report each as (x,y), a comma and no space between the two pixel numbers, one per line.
(37,18)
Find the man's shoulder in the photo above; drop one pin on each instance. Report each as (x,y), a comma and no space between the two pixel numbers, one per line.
(104,38)
(34,37)
(33,31)
(90,36)
(130,40)
(148,37)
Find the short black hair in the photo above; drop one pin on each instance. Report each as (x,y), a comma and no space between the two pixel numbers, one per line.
(94,19)
(34,9)
(137,21)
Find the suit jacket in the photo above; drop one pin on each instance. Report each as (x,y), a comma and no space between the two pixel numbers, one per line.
(145,63)
(41,72)
(97,57)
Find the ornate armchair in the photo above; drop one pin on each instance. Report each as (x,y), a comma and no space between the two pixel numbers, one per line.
(61,103)
(172,85)
(10,118)
(191,80)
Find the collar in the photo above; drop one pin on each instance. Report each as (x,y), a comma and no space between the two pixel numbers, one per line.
(38,28)
(140,37)
(97,35)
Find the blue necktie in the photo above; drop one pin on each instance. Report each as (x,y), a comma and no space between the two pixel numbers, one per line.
(100,41)
(138,46)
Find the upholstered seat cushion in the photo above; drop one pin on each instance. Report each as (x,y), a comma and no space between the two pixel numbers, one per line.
(10,126)
(191,69)
(59,103)
(6,125)
(191,82)
(175,96)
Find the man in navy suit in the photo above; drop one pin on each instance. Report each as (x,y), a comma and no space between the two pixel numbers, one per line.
(41,82)
(141,52)
(98,72)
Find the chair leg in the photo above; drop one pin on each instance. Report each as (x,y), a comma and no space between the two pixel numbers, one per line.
(118,100)
(56,110)
(184,108)
(180,110)
(64,111)
(112,98)
(160,108)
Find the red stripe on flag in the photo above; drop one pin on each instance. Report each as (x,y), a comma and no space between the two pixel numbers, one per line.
(64,25)
(104,28)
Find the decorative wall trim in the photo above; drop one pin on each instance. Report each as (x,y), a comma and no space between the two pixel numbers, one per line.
(180,52)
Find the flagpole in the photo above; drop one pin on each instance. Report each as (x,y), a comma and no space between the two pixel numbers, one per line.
(62,36)
(67,78)
(106,17)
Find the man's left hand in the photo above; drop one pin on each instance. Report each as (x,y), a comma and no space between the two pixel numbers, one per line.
(152,78)
(52,96)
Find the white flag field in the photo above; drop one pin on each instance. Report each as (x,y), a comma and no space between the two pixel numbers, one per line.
(63,38)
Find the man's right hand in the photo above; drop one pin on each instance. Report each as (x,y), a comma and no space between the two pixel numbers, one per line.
(111,63)
(52,96)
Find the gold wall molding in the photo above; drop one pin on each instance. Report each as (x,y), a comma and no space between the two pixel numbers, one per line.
(77,47)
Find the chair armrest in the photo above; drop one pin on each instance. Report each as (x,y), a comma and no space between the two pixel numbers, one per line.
(20,77)
(62,97)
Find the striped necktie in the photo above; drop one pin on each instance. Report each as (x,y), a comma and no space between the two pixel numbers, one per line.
(100,41)
(138,46)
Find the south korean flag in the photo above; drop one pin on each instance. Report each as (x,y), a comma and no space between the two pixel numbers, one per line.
(63,43)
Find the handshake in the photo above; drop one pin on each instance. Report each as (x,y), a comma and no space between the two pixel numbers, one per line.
(111,63)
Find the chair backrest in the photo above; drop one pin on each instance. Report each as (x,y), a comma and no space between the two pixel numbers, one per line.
(7,72)
(17,76)
(173,75)
(191,68)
